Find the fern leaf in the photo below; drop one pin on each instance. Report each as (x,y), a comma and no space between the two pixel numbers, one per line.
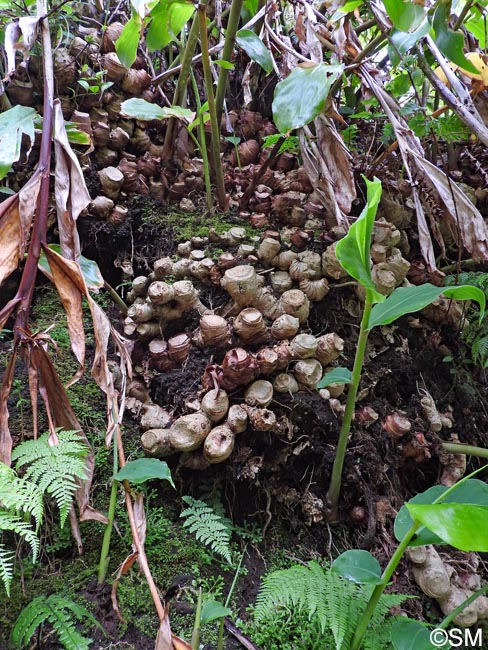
(6,567)
(20,495)
(54,468)
(59,612)
(11,521)
(210,528)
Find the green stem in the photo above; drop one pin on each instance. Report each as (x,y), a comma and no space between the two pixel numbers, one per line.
(195,637)
(393,563)
(336,477)
(215,131)
(201,144)
(379,589)
(468,450)
(220,640)
(463,14)
(104,553)
(455,612)
(116,298)
(230,39)
(182,82)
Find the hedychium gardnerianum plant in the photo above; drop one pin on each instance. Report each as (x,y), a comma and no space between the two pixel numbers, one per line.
(353,253)
(456,516)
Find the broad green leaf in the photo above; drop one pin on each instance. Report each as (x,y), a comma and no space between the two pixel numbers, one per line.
(407,300)
(358,566)
(401,42)
(144,469)
(167,21)
(477,27)
(335,376)
(404,15)
(212,610)
(89,269)
(353,250)
(461,525)
(413,635)
(472,491)
(300,97)
(225,65)
(450,43)
(347,8)
(142,110)
(13,124)
(255,49)
(126,44)
(75,135)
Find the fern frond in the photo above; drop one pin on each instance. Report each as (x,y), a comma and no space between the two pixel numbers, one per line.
(60,612)
(18,494)
(210,528)
(54,468)
(11,521)
(329,600)
(6,567)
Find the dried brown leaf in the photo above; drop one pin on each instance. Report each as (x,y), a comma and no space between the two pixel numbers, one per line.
(20,34)
(123,569)
(5,388)
(163,638)
(71,192)
(140,517)
(16,215)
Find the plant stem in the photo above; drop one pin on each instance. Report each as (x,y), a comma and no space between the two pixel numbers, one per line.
(220,640)
(116,298)
(215,131)
(104,557)
(379,589)
(468,450)
(191,44)
(202,145)
(195,637)
(230,39)
(336,477)
(455,612)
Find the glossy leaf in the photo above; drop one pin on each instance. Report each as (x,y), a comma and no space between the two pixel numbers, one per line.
(144,469)
(404,15)
(472,491)
(335,376)
(225,65)
(412,635)
(353,250)
(402,42)
(478,29)
(212,610)
(450,43)
(300,97)
(358,566)
(407,300)
(460,525)
(167,21)
(126,44)
(347,8)
(14,123)
(89,269)
(143,110)
(255,49)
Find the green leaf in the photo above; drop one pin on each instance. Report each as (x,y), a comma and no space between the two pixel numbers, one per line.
(335,376)
(167,21)
(472,491)
(75,135)
(412,635)
(255,49)
(144,469)
(460,525)
(212,610)
(226,65)
(353,250)
(142,110)
(404,15)
(450,43)
(13,124)
(89,269)
(301,96)
(406,300)
(358,566)
(126,44)
(477,27)
(345,9)
(401,42)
